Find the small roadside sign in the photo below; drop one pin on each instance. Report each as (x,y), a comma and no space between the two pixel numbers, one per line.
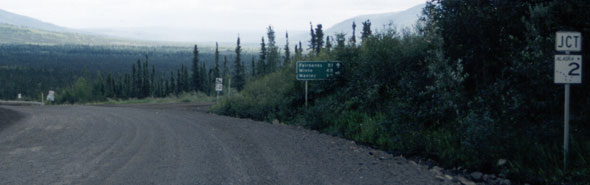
(568,41)
(51,96)
(218,84)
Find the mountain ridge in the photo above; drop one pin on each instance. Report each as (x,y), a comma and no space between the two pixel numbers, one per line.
(398,19)
(24,21)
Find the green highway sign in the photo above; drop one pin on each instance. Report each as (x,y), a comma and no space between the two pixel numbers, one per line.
(318,70)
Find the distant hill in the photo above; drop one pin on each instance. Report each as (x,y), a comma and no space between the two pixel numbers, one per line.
(18,29)
(24,21)
(401,19)
(11,34)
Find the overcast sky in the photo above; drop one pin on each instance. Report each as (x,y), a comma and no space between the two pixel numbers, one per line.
(225,15)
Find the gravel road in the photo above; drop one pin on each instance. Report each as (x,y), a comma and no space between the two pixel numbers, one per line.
(180,144)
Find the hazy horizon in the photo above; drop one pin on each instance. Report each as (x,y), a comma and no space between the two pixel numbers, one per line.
(212,14)
(211,20)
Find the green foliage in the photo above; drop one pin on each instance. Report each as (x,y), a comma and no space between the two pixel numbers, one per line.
(197,76)
(79,92)
(239,77)
(470,87)
(262,99)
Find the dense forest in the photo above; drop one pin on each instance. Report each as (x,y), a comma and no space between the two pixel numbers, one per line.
(471,87)
(35,69)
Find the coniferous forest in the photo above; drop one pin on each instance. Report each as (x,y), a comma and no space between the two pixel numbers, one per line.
(470,87)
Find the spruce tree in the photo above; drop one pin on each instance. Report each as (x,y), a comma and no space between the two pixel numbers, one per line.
(145,83)
(287,51)
(196,78)
(138,80)
(185,79)
(300,50)
(262,60)
(153,82)
(340,40)
(366,32)
(273,52)
(238,78)
(353,38)
(313,41)
(216,69)
(319,34)
(328,44)
(109,86)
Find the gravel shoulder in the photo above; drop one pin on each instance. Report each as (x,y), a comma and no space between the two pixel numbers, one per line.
(181,144)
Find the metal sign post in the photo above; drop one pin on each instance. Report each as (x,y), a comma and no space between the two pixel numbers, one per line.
(305,93)
(568,70)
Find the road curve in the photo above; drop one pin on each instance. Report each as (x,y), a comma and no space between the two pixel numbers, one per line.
(164,145)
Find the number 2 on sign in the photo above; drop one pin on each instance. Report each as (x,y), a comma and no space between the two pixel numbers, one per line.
(572,72)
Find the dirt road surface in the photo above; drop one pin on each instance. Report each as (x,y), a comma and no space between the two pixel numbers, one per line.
(181,144)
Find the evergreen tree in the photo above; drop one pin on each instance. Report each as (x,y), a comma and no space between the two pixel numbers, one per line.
(340,40)
(366,30)
(109,86)
(152,80)
(313,41)
(185,79)
(179,81)
(300,50)
(328,44)
(287,51)
(196,78)
(273,51)
(262,60)
(296,52)
(98,89)
(216,69)
(319,34)
(138,80)
(128,86)
(145,83)
(238,78)
(353,38)
(173,86)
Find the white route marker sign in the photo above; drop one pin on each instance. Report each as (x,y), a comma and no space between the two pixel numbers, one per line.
(218,84)
(568,69)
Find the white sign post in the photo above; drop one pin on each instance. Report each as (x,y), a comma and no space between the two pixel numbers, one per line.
(218,86)
(568,70)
